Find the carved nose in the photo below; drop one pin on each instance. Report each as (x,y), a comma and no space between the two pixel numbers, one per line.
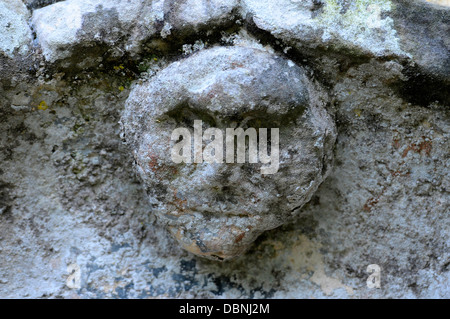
(222,177)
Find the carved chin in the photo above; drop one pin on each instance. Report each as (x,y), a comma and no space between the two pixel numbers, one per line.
(215,235)
(227,242)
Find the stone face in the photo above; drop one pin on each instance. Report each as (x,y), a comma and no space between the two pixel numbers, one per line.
(36,4)
(419,22)
(79,26)
(15,44)
(66,26)
(358,27)
(440,2)
(193,13)
(218,210)
(15,35)
(381,28)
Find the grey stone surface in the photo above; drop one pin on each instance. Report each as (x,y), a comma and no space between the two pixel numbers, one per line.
(75,220)
(15,35)
(73,26)
(15,44)
(410,31)
(84,30)
(358,27)
(36,4)
(420,22)
(218,210)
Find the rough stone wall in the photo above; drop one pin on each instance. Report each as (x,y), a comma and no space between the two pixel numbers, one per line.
(74,218)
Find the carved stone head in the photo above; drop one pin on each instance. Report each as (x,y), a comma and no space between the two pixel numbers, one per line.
(216,209)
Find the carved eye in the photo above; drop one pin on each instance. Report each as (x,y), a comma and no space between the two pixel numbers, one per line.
(260,118)
(184,116)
